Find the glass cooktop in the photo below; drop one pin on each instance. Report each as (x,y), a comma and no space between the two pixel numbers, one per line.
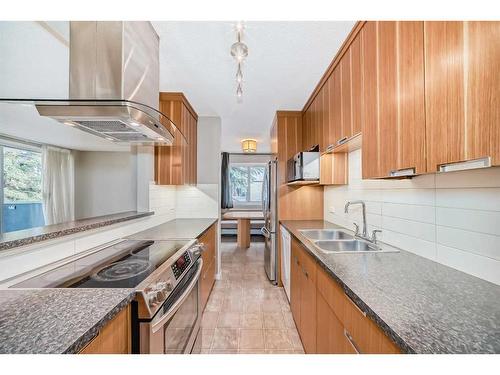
(123,265)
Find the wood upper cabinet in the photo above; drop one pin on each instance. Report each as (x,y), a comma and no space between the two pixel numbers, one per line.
(303,295)
(393,112)
(176,164)
(113,338)
(209,239)
(462,92)
(312,126)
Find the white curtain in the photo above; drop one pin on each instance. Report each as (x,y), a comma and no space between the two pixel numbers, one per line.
(57,185)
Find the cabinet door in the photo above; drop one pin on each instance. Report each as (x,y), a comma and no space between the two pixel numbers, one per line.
(169,159)
(356,89)
(295,282)
(326,137)
(330,338)
(345,95)
(307,328)
(336,105)
(369,115)
(393,119)
(209,239)
(462,91)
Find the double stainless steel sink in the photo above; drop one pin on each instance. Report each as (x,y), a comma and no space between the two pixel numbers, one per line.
(339,241)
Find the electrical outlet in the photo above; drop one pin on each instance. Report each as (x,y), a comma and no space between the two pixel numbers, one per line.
(331,209)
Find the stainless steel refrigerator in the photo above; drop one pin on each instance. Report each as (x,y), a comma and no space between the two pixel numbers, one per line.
(270,212)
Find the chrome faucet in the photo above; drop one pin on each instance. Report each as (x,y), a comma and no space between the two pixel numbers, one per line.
(364,234)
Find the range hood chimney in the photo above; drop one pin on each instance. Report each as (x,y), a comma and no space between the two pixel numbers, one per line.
(114,84)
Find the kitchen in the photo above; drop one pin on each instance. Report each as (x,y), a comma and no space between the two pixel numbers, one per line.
(147,210)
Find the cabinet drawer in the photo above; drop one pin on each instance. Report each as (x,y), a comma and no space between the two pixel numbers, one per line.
(365,335)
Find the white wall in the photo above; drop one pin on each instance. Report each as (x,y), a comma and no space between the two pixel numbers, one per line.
(105,183)
(451,218)
(205,199)
(208,150)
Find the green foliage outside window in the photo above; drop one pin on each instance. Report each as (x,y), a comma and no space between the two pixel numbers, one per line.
(22,175)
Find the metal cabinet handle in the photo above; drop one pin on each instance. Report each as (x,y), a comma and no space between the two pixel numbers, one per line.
(402,172)
(351,341)
(305,272)
(265,232)
(342,140)
(484,162)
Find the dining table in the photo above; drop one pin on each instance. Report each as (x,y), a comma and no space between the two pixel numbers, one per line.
(244,218)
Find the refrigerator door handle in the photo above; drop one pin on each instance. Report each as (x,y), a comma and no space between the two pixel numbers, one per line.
(265,232)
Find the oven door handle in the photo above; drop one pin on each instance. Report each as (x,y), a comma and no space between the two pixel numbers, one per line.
(173,309)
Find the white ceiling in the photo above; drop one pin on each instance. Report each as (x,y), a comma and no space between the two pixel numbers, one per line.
(285,62)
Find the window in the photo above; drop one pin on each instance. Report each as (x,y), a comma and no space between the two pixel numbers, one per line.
(20,188)
(246,184)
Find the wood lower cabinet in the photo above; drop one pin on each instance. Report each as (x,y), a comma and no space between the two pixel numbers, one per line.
(331,338)
(342,327)
(328,321)
(303,295)
(295,283)
(462,92)
(209,239)
(113,338)
(176,164)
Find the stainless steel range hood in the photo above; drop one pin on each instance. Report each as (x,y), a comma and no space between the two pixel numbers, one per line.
(113,85)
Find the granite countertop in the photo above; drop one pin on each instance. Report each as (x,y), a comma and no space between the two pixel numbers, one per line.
(55,321)
(423,306)
(177,229)
(47,232)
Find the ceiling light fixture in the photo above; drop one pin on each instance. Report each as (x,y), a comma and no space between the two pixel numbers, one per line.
(249,145)
(239,51)
(239,74)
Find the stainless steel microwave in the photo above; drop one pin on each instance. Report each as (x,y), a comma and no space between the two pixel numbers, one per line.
(304,166)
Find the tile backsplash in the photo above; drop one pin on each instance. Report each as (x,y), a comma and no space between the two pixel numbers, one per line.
(451,218)
(197,201)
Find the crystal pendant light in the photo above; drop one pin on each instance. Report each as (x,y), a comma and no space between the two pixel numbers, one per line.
(239,74)
(239,51)
(239,91)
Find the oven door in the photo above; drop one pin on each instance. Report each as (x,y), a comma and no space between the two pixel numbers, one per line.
(176,326)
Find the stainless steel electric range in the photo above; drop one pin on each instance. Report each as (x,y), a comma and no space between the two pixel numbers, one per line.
(166,312)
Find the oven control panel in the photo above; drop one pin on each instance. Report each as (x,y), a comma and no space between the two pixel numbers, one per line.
(181,264)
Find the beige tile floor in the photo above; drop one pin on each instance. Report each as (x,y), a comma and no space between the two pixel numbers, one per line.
(245,312)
